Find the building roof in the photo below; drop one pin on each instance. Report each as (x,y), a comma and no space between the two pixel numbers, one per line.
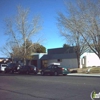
(59,56)
(61,50)
(45,57)
(57,53)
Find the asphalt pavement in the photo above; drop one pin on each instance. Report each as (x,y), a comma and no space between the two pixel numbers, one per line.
(36,87)
(82,74)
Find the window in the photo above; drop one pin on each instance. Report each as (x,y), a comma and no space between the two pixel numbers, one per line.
(55,67)
(49,67)
(83,60)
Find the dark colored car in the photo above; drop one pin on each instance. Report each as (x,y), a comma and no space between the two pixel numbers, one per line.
(55,70)
(28,69)
(12,67)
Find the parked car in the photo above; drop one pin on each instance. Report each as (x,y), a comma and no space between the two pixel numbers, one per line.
(2,67)
(55,70)
(12,67)
(27,69)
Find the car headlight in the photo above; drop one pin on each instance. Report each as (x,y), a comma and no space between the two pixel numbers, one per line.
(65,69)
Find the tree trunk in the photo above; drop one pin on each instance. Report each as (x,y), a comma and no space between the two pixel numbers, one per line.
(78,58)
(98,54)
(24,61)
(78,61)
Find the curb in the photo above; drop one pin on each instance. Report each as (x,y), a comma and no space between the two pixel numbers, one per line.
(84,75)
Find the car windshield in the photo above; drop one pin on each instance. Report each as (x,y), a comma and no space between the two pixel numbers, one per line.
(61,66)
(26,66)
(32,66)
(11,65)
(8,64)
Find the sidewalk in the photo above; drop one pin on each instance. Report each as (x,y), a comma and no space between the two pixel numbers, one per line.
(83,75)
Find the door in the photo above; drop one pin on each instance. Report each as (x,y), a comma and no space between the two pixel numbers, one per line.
(84,62)
(48,69)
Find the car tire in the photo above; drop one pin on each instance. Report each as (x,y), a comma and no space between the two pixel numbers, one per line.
(19,72)
(42,73)
(35,73)
(5,71)
(56,73)
(12,72)
(27,72)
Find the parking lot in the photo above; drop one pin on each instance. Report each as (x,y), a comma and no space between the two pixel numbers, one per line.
(36,87)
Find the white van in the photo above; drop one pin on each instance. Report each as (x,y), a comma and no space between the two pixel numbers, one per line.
(2,67)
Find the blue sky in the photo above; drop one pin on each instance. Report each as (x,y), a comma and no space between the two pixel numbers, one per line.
(47,9)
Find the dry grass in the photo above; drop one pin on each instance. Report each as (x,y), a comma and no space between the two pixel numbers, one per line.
(95,70)
(88,70)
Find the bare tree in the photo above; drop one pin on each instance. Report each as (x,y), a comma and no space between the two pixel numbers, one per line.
(70,25)
(11,50)
(6,50)
(90,24)
(81,25)
(20,29)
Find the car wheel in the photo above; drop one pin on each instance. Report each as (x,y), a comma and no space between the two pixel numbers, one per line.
(19,72)
(12,71)
(27,72)
(56,73)
(42,73)
(5,71)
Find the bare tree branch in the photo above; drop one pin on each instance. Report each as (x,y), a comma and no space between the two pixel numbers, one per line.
(20,29)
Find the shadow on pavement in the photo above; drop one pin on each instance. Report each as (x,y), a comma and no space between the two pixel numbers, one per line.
(17,74)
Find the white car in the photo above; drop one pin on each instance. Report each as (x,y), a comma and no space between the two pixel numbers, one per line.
(2,67)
